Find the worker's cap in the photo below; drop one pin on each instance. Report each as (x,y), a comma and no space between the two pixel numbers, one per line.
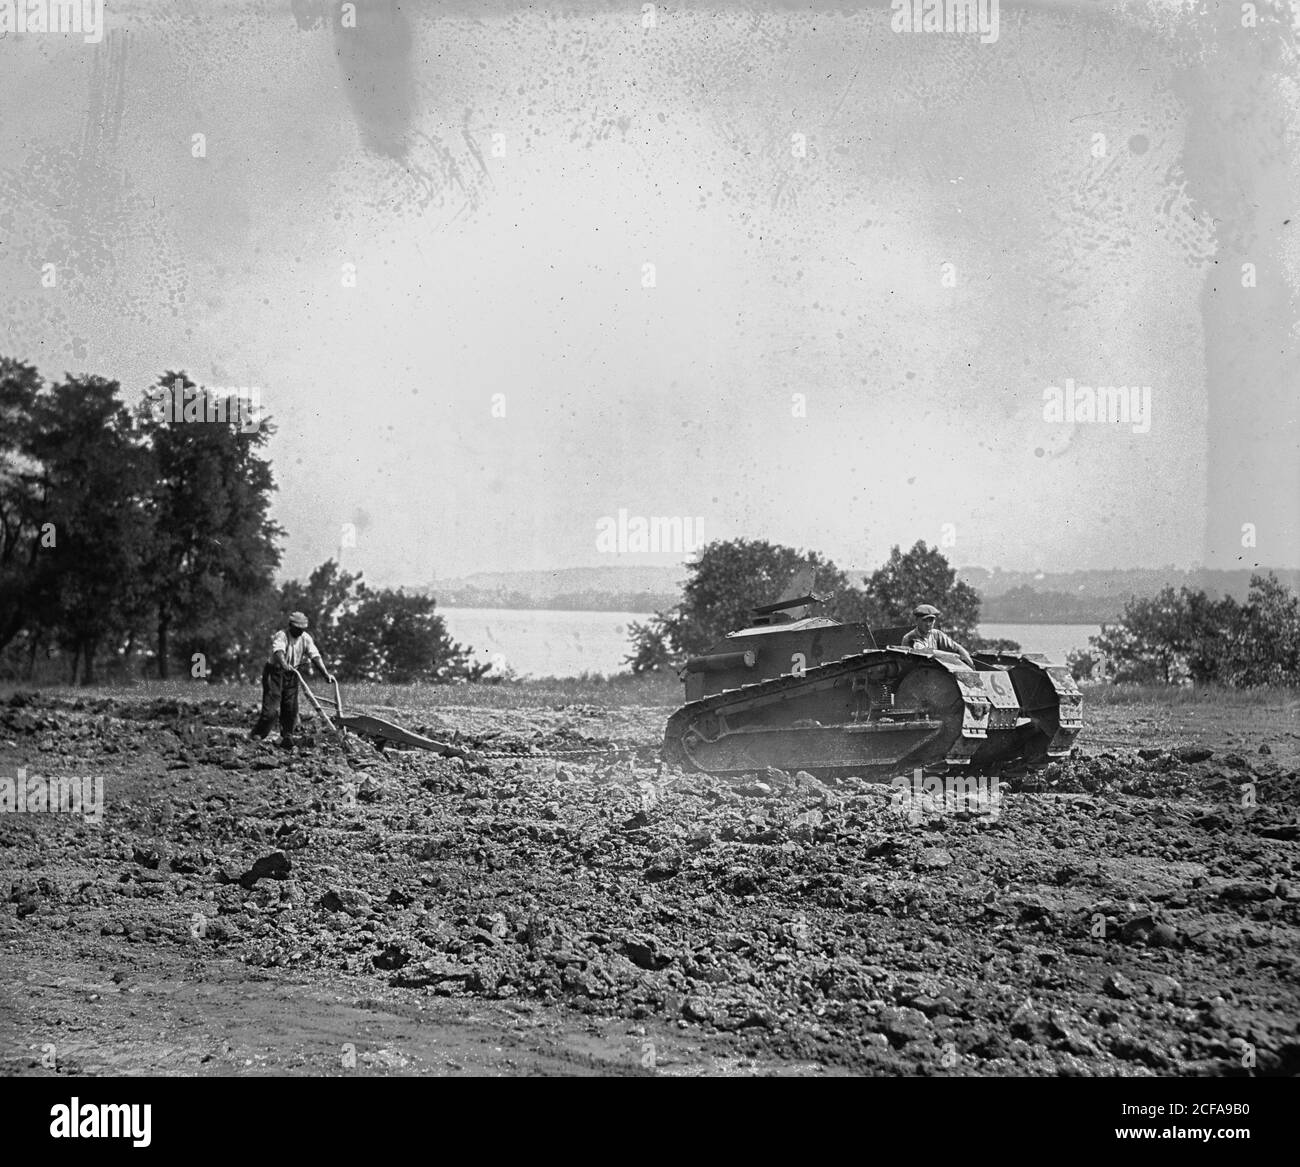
(297,620)
(925,610)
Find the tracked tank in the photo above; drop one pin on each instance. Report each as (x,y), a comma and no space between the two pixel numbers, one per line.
(799,691)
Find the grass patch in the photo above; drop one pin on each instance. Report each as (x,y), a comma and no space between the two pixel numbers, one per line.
(1283,698)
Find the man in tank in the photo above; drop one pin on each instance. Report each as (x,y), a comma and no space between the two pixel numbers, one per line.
(927,635)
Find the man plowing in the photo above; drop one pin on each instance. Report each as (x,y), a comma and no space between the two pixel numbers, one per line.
(289,646)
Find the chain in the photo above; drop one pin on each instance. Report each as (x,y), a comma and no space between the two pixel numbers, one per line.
(614,755)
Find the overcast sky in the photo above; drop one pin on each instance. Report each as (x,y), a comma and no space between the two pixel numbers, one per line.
(783,265)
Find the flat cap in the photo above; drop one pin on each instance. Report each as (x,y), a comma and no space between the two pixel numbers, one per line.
(297,620)
(925,610)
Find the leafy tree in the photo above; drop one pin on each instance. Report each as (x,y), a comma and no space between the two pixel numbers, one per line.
(247,636)
(1164,637)
(324,599)
(1203,634)
(1262,646)
(923,575)
(22,588)
(214,550)
(93,479)
(1142,644)
(1187,634)
(369,634)
(395,636)
(652,644)
(727,580)
(730,578)
(1086,664)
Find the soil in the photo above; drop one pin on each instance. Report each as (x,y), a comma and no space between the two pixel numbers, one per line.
(566,905)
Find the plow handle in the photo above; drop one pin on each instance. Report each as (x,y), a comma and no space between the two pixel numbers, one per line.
(337,726)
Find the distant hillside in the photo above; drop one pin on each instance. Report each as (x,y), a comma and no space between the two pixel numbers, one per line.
(1124,581)
(1007,597)
(621,588)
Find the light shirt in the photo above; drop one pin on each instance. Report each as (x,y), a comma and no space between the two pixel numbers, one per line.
(934,639)
(294,650)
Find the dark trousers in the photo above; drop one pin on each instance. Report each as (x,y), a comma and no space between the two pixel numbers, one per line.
(279,702)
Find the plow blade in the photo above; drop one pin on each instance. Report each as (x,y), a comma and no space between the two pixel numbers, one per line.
(368,726)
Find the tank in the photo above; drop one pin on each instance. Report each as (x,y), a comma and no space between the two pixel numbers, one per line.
(806,692)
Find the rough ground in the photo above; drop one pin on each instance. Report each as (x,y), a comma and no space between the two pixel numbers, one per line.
(246,910)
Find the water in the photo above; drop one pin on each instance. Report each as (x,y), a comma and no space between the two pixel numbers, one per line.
(1054,641)
(540,642)
(545,643)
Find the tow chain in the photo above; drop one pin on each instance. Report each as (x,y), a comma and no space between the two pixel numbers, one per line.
(611,753)
(614,754)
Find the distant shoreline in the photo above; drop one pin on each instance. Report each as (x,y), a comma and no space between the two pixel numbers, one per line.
(1080,597)
(999,622)
(540,608)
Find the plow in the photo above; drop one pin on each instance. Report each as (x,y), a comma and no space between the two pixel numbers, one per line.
(376,729)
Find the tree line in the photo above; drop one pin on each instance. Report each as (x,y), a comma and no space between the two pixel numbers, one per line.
(133,544)
(137,545)
(1174,636)
(731,577)
(1185,635)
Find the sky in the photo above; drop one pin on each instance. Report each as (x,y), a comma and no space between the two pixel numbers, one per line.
(501,272)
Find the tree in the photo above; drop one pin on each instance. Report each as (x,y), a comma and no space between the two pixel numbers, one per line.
(375,635)
(324,599)
(726,581)
(1187,634)
(652,644)
(922,576)
(1262,646)
(730,578)
(215,544)
(1142,644)
(395,636)
(1086,664)
(247,636)
(93,481)
(1203,633)
(21,585)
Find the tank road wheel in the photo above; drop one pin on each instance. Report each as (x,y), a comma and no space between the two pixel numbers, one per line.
(933,693)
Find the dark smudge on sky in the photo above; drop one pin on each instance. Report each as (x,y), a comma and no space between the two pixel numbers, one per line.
(375,66)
